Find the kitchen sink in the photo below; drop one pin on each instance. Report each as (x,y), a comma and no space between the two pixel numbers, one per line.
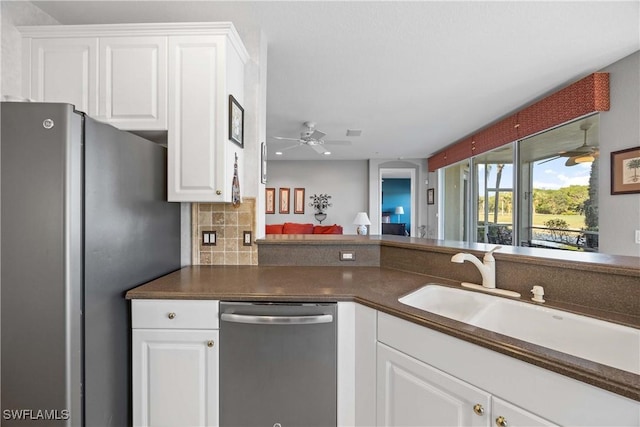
(596,340)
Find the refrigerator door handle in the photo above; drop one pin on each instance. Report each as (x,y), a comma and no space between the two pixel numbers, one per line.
(276,320)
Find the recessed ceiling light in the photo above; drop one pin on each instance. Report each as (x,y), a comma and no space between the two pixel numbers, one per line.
(354,132)
(327,153)
(278,153)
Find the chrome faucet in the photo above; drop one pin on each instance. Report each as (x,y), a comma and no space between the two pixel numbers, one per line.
(487,270)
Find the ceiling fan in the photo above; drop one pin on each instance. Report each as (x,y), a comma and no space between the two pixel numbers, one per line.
(583,154)
(311,137)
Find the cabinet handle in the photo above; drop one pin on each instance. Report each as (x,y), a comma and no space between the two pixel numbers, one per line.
(478,409)
(171,316)
(218,192)
(209,343)
(501,421)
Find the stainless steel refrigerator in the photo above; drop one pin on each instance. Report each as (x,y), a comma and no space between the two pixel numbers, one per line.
(84,218)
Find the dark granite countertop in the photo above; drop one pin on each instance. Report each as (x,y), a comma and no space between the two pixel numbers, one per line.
(378,288)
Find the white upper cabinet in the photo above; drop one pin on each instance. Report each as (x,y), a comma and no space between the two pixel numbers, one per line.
(133,82)
(203,71)
(62,70)
(151,77)
(120,80)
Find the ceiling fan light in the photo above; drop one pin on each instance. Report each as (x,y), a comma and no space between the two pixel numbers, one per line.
(587,158)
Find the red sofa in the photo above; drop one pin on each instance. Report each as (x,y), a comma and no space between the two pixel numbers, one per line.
(299,228)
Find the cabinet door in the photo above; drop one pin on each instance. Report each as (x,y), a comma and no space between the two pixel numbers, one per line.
(506,414)
(197,105)
(175,377)
(133,82)
(65,70)
(412,393)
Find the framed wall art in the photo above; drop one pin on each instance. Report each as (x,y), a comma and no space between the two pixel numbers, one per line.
(284,201)
(236,121)
(270,200)
(298,201)
(625,171)
(431,196)
(263,163)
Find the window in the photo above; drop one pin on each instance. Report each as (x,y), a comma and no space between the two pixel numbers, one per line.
(554,204)
(559,184)
(493,177)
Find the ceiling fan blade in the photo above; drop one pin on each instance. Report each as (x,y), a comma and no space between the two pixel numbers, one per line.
(289,148)
(286,139)
(317,135)
(318,148)
(337,142)
(548,160)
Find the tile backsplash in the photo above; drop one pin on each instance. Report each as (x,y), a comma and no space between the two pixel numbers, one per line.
(229,223)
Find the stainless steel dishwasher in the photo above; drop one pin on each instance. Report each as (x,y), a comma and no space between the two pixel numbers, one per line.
(278,364)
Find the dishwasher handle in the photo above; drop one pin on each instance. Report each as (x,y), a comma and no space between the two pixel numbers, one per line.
(276,320)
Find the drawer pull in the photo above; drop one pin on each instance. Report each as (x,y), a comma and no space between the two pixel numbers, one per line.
(210,343)
(171,316)
(501,421)
(478,409)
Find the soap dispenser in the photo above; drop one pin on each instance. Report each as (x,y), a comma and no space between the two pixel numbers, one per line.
(538,293)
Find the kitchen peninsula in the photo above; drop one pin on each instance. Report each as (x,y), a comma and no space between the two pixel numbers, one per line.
(384,268)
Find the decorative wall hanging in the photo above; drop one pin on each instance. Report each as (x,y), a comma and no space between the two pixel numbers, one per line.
(320,202)
(298,201)
(235,184)
(431,196)
(236,121)
(270,200)
(263,163)
(284,201)
(625,171)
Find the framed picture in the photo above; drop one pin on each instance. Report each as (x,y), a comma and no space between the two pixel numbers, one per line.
(625,171)
(298,201)
(284,201)
(236,122)
(270,200)
(263,163)
(431,196)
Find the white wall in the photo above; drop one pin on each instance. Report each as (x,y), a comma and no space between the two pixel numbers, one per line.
(16,13)
(344,180)
(619,215)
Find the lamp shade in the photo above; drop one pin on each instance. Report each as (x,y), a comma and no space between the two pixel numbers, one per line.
(399,210)
(361,219)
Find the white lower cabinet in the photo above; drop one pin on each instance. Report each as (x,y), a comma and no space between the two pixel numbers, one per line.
(412,393)
(506,414)
(175,377)
(175,363)
(429,378)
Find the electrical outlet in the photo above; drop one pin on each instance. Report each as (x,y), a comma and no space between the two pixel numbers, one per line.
(347,256)
(638,237)
(246,241)
(209,238)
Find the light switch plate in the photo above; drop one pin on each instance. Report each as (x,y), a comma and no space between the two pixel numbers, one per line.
(246,238)
(347,256)
(638,237)
(209,238)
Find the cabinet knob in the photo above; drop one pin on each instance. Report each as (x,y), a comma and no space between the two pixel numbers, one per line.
(218,192)
(171,316)
(210,343)
(501,421)
(478,409)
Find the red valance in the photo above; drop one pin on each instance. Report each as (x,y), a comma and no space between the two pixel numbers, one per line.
(589,95)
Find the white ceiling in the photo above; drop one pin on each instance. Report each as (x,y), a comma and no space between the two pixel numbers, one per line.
(414,76)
